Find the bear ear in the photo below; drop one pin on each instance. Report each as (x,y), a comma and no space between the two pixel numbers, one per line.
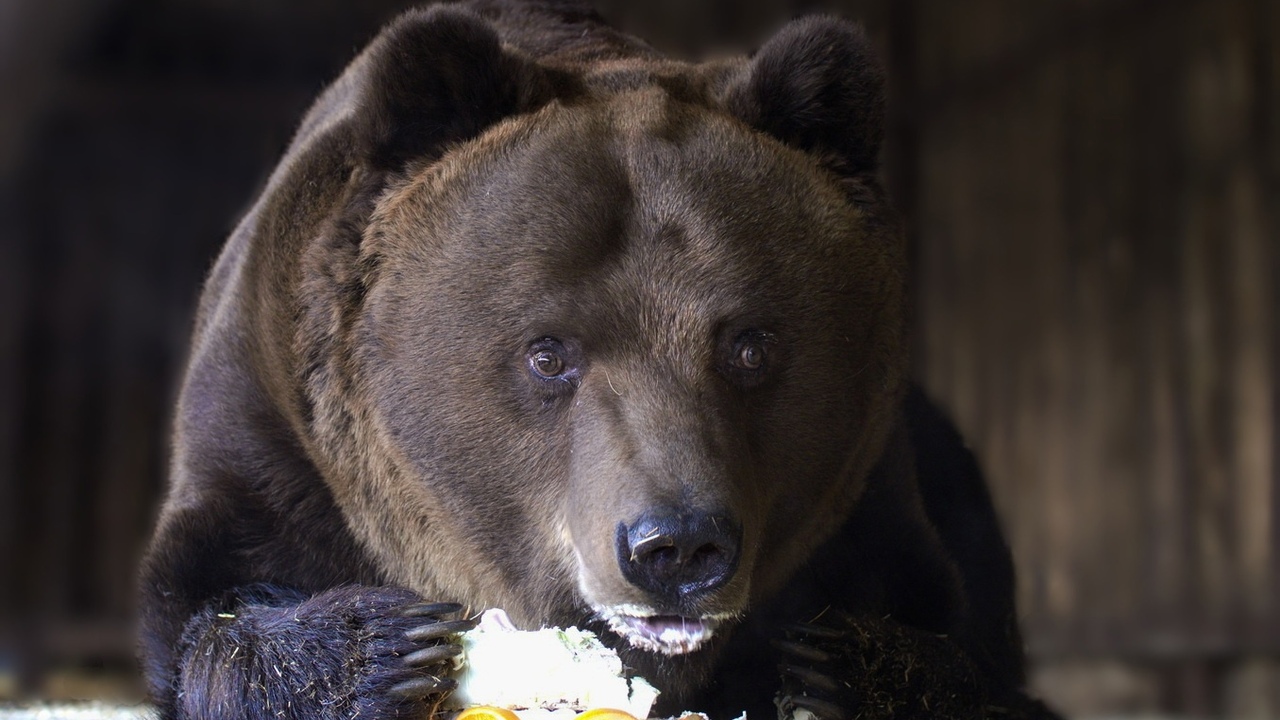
(817,86)
(436,77)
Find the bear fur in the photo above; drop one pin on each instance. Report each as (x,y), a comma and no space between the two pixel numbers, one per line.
(530,316)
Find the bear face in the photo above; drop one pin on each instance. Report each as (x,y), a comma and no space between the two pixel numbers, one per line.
(618,310)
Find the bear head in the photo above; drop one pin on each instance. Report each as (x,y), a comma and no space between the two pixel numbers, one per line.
(612,341)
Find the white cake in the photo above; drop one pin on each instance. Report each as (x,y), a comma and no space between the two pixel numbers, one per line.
(555,669)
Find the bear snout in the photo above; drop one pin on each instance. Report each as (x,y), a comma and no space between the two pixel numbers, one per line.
(678,556)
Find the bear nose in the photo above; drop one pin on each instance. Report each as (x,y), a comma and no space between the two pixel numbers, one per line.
(676,555)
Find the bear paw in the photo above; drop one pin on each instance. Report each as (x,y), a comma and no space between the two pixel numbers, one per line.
(355,651)
(874,668)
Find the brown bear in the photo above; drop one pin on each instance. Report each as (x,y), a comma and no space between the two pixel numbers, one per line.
(530,316)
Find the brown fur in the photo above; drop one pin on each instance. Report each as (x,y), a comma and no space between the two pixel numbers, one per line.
(359,408)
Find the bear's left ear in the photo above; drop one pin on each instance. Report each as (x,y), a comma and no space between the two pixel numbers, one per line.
(817,86)
(436,77)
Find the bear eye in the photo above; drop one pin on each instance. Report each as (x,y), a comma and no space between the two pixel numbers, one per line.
(750,356)
(747,361)
(547,363)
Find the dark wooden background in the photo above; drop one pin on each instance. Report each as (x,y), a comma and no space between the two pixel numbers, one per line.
(1092,190)
(1095,198)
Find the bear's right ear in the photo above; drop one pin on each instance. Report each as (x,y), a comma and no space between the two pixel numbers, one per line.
(816,85)
(436,77)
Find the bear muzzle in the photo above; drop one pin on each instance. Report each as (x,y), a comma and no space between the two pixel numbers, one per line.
(678,558)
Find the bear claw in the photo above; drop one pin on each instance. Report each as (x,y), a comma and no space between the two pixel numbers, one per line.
(815,631)
(430,609)
(431,655)
(802,651)
(421,687)
(821,708)
(439,630)
(811,678)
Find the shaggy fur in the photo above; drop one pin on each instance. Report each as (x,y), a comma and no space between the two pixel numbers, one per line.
(529,316)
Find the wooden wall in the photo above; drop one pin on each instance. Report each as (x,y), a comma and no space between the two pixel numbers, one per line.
(1096,229)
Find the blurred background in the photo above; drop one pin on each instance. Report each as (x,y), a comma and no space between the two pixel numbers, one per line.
(1092,190)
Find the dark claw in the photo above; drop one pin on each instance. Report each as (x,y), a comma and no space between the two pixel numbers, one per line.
(821,708)
(430,609)
(432,655)
(817,631)
(423,686)
(812,678)
(437,630)
(802,651)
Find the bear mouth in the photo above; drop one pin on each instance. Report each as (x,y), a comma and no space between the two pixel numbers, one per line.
(665,634)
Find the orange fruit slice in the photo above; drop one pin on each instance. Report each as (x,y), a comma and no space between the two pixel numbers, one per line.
(486,712)
(605,714)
